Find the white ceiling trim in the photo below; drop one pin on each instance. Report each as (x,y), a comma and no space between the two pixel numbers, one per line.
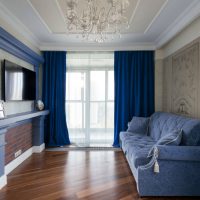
(18,26)
(38,15)
(191,13)
(60,10)
(134,11)
(56,47)
(156,16)
(178,25)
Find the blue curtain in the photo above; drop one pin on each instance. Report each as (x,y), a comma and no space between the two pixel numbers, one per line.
(54,83)
(134,88)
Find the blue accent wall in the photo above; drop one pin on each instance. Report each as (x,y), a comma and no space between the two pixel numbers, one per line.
(13,46)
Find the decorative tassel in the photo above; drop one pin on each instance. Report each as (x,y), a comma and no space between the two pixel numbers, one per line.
(156,167)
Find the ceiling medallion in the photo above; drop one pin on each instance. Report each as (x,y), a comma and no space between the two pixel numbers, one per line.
(96,20)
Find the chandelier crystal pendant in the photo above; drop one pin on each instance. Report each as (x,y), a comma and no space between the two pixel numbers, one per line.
(96,20)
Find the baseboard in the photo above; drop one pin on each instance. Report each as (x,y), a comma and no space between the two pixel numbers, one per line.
(38,149)
(3,181)
(15,163)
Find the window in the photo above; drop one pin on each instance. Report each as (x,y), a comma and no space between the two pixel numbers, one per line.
(90,98)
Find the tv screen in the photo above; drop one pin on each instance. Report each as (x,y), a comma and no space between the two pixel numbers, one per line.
(19,83)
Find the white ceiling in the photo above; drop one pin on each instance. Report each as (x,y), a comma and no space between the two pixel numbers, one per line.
(152,23)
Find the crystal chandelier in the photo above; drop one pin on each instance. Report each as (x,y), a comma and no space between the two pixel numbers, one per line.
(96,20)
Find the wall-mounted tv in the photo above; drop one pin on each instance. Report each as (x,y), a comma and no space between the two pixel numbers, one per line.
(18,83)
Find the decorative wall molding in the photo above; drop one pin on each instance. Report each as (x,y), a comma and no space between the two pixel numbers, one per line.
(185,82)
(191,13)
(19,27)
(15,47)
(132,47)
(181,92)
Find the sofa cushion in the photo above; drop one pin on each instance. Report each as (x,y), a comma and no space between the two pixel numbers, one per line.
(133,136)
(137,154)
(128,138)
(161,123)
(172,138)
(138,125)
(136,147)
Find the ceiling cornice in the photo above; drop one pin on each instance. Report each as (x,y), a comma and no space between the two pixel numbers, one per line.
(20,28)
(189,15)
(178,25)
(138,46)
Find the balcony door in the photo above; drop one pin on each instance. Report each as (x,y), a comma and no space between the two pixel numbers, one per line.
(90,100)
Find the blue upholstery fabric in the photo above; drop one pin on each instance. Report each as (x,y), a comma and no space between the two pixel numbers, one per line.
(138,125)
(136,146)
(176,178)
(182,153)
(161,123)
(172,138)
(179,165)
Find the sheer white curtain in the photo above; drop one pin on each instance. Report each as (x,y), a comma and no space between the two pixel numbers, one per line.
(90,98)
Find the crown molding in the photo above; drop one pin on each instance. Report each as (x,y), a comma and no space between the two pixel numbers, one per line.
(15,47)
(190,14)
(57,47)
(20,28)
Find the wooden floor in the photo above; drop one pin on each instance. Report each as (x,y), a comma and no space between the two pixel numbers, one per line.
(73,175)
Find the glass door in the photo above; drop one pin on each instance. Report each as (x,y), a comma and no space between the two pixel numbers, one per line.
(76,105)
(90,98)
(101,107)
(90,107)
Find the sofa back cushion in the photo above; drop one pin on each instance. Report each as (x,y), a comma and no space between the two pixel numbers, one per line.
(138,125)
(161,123)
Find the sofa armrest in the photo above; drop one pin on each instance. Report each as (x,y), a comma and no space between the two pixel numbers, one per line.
(181,153)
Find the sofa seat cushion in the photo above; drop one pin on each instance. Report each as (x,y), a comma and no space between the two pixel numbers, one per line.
(136,147)
(137,155)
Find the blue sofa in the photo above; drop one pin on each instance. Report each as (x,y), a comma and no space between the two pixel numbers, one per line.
(179,166)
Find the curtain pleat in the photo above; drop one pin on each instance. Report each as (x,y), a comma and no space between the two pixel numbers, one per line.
(134,88)
(54,85)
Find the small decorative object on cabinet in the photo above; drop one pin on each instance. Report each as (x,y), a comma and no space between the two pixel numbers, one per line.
(39,105)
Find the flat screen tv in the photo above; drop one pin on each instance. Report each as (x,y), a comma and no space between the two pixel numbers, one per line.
(18,83)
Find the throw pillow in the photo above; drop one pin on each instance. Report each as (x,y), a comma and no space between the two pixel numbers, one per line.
(138,125)
(172,138)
